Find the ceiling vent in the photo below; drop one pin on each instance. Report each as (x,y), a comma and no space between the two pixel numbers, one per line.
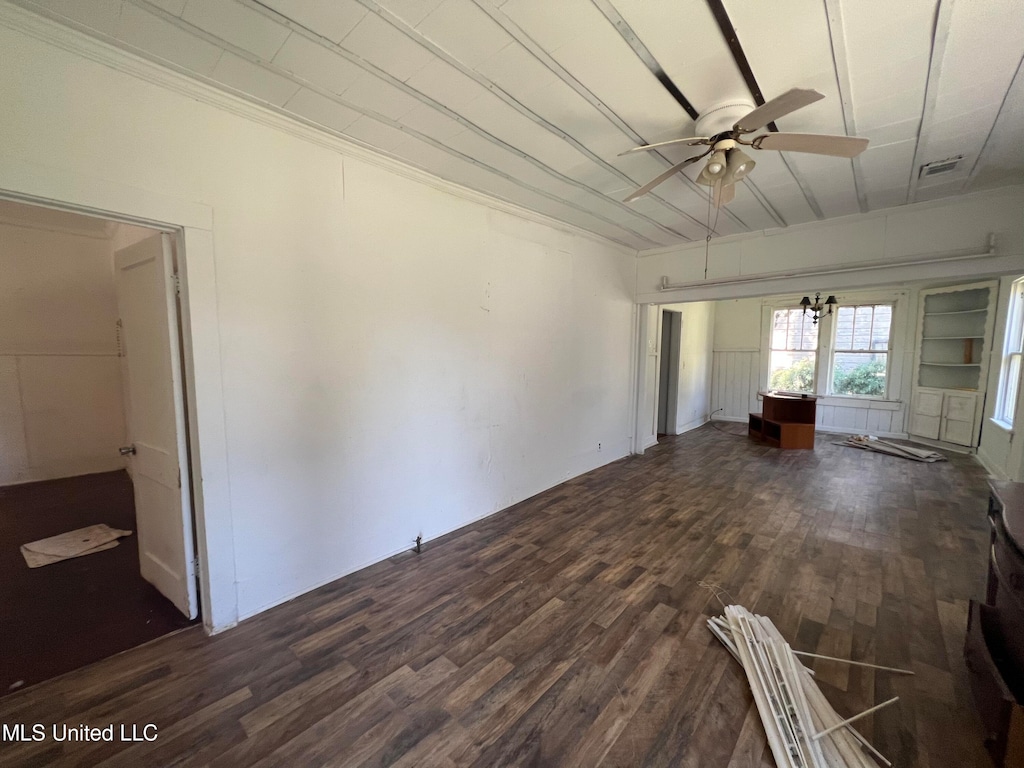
(939,166)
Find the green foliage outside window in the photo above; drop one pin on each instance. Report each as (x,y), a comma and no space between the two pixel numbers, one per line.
(866,379)
(799,377)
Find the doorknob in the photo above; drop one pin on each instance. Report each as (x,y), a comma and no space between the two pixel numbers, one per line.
(128,450)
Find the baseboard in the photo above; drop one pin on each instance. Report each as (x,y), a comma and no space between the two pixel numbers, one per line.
(829,430)
(990,466)
(691,425)
(848,431)
(964,449)
(428,537)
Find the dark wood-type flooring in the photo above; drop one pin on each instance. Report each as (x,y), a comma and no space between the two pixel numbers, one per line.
(569,630)
(63,616)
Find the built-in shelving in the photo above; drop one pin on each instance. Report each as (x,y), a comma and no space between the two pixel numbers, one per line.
(954,337)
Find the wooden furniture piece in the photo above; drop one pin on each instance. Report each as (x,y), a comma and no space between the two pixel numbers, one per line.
(954,339)
(787,421)
(994,648)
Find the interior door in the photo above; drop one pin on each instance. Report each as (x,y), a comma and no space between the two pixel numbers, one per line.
(147,302)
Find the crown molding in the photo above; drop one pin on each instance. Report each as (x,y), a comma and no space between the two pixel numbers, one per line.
(83,41)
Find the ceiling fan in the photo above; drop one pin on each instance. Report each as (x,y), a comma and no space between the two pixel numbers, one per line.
(728,163)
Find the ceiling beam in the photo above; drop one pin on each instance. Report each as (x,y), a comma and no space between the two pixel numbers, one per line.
(295,27)
(644,54)
(419,38)
(739,56)
(533,47)
(940,34)
(315,37)
(837,36)
(1016,83)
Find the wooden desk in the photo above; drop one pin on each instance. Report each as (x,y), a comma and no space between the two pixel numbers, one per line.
(786,422)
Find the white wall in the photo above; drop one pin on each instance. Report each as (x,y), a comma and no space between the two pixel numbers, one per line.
(998,451)
(693,401)
(877,249)
(736,358)
(395,360)
(60,385)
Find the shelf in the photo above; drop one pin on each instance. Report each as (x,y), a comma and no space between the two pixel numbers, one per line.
(953,365)
(958,312)
(958,338)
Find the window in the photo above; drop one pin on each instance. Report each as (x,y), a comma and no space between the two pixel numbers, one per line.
(860,355)
(794,348)
(1009,375)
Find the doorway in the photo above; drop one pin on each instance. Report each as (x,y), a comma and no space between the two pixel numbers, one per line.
(668,385)
(84,441)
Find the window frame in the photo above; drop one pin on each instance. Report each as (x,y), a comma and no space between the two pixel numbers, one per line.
(900,331)
(1006,406)
(832,351)
(789,307)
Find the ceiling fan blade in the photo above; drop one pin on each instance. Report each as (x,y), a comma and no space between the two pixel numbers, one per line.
(724,194)
(692,141)
(664,177)
(790,101)
(815,143)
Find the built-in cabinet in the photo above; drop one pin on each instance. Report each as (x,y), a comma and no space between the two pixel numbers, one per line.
(954,340)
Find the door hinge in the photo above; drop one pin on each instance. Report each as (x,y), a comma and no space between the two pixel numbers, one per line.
(177,283)
(179,478)
(195,564)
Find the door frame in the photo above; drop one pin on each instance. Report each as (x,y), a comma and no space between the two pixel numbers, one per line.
(639,417)
(191,224)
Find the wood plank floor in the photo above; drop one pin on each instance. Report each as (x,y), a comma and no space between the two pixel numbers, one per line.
(569,630)
(70,614)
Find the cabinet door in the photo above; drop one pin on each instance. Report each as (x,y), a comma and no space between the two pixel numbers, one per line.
(959,406)
(959,432)
(928,403)
(926,416)
(925,426)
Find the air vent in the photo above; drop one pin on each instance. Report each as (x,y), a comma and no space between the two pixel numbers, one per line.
(939,166)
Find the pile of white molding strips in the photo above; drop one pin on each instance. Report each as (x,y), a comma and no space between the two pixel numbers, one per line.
(803,730)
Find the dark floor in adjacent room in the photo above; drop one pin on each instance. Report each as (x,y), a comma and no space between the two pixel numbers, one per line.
(570,629)
(63,616)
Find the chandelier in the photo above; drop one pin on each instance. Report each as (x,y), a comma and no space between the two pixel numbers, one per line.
(817,308)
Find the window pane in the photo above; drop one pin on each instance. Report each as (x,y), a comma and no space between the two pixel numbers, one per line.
(791,371)
(882,325)
(793,331)
(1009,393)
(780,327)
(1009,374)
(859,373)
(862,327)
(844,328)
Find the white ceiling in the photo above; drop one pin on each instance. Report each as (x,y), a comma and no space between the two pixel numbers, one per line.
(532,100)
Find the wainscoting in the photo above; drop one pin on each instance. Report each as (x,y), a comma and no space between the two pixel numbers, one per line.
(734,387)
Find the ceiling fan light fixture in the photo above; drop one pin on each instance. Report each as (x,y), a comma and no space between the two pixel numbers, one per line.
(716,164)
(738,165)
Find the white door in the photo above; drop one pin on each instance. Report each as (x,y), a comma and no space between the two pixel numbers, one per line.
(156,418)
